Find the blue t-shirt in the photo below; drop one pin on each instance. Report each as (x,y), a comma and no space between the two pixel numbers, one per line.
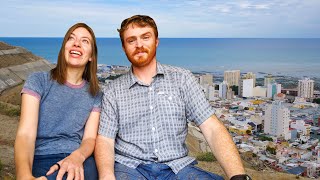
(63,113)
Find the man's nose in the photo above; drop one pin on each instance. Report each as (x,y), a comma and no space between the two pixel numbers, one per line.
(139,43)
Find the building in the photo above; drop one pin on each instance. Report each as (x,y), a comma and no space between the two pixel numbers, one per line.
(206,79)
(302,127)
(268,80)
(250,75)
(291,92)
(232,77)
(316,94)
(276,121)
(209,91)
(246,85)
(223,89)
(273,89)
(259,91)
(230,94)
(306,88)
(246,88)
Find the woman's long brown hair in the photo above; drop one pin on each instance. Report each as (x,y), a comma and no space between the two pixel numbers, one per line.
(59,73)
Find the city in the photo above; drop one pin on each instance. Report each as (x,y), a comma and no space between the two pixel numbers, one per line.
(271,126)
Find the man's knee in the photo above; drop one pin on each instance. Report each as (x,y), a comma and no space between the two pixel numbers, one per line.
(193,172)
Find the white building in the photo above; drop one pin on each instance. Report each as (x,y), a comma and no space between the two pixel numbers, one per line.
(301,126)
(209,91)
(250,75)
(232,77)
(223,89)
(246,87)
(276,121)
(306,88)
(273,89)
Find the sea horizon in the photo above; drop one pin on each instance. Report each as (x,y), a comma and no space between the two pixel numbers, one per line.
(296,57)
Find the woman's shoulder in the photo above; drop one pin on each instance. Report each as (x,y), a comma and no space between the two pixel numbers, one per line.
(44,75)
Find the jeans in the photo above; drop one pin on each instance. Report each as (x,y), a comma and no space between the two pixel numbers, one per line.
(42,164)
(158,171)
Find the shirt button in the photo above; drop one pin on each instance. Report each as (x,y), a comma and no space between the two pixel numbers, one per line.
(153,128)
(156,150)
(170,98)
(151,107)
(150,88)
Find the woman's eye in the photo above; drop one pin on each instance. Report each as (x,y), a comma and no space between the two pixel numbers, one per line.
(85,41)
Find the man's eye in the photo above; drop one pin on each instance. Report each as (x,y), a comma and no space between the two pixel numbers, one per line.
(146,37)
(130,41)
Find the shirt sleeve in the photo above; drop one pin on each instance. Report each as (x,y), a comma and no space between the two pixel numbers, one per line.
(108,126)
(97,102)
(34,85)
(198,108)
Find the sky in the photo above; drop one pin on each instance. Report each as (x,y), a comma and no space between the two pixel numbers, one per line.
(174,18)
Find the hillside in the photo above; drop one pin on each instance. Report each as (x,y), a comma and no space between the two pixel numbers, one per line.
(15,64)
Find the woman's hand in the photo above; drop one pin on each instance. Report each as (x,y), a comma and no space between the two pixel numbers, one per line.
(72,164)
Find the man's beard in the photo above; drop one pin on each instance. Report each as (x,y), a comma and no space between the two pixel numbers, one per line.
(142,60)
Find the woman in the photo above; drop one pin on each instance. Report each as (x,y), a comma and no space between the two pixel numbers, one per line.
(60,114)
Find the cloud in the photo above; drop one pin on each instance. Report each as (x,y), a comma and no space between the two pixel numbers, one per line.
(191,18)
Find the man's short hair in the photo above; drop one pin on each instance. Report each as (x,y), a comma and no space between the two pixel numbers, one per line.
(139,20)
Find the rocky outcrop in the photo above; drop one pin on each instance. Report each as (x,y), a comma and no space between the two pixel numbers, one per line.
(16,63)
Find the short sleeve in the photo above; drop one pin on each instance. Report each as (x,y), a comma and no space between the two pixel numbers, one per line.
(198,108)
(35,85)
(97,102)
(108,126)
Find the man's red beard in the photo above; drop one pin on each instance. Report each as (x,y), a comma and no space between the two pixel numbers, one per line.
(142,60)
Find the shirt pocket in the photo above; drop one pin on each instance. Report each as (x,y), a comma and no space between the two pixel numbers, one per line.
(169,103)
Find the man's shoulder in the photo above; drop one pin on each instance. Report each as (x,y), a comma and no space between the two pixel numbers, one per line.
(119,82)
(175,69)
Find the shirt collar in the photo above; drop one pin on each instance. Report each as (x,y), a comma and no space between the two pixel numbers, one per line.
(132,79)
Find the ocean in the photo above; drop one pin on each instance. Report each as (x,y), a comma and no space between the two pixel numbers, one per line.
(293,57)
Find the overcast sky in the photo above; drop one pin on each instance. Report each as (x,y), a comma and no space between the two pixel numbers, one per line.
(191,18)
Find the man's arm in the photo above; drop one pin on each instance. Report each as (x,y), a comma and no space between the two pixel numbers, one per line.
(104,156)
(222,146)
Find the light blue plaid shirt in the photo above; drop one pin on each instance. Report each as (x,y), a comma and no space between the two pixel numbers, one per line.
(149,122)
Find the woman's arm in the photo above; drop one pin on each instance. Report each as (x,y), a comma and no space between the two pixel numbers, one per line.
(73,164)
(26,136)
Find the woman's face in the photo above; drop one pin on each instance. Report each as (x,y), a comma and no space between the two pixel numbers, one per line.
(78,48)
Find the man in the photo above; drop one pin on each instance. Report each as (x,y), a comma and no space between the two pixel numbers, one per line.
(143,123)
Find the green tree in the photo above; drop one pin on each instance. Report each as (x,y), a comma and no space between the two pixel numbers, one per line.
(235,89)
(316,101)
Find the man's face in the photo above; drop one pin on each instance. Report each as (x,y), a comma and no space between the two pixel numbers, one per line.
(140,45)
